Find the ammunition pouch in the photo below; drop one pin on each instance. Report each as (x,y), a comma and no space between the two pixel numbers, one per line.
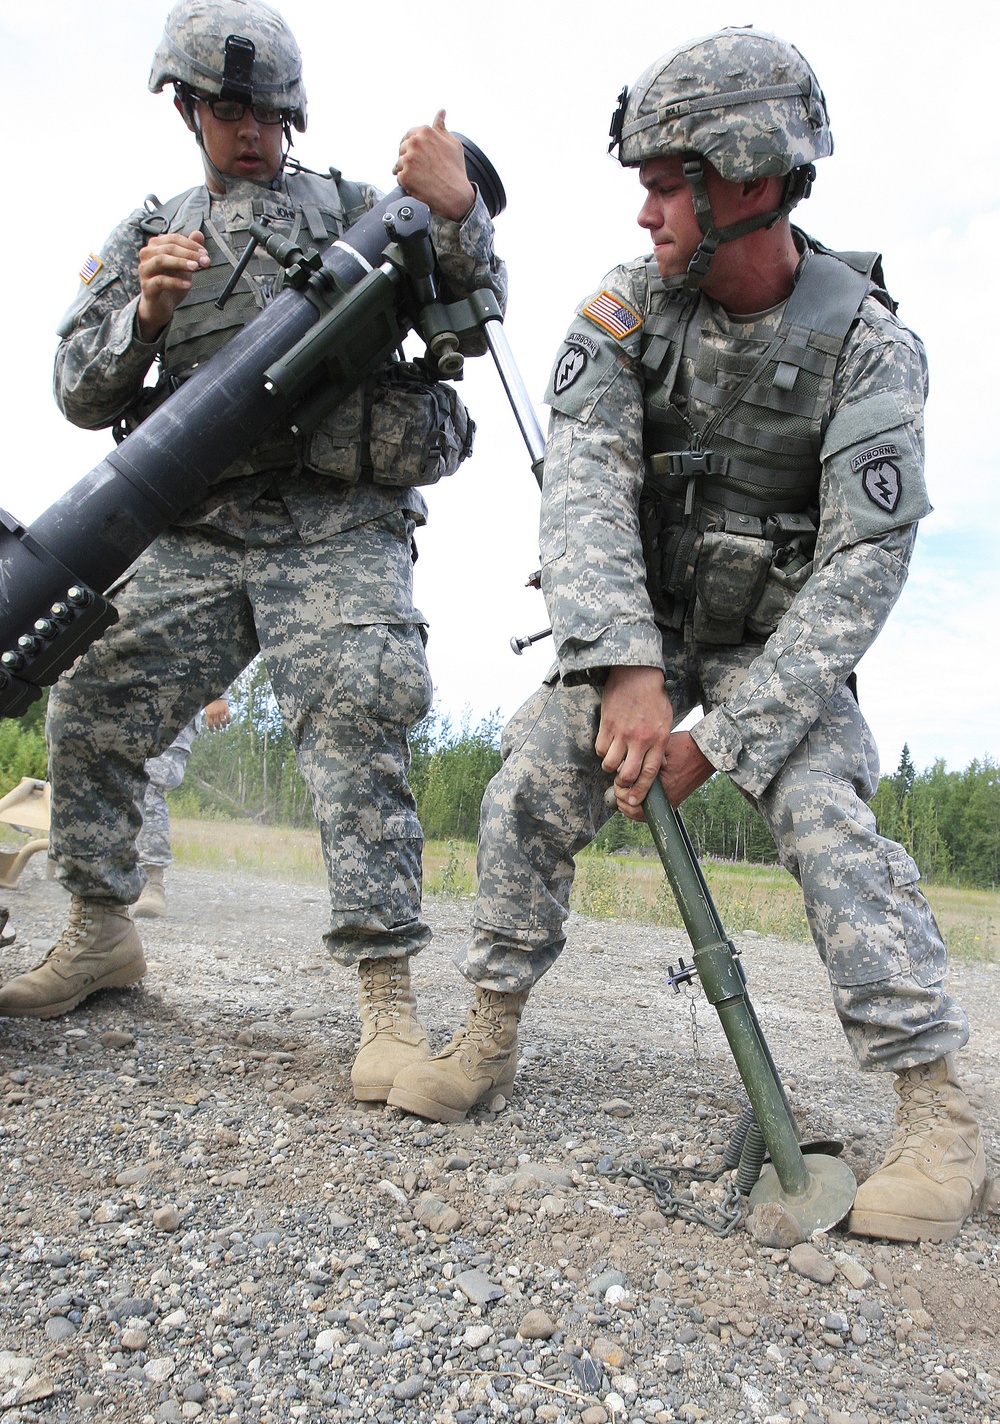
(729,580)
(418,431)
(399,429)
(791,566)
(722,574)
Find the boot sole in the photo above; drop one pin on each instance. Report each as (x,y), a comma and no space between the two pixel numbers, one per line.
(372,1092)
(145,913)
(908,1228)
(425,1107)
(436,1111)
(123,979)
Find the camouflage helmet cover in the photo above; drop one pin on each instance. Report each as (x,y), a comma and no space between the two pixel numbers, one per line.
(192,51)
(741,98)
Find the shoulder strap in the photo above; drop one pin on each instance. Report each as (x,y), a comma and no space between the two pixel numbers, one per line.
(159,217)
(666,313)
(827,295)
(867,263)
(353,197)
(332,196)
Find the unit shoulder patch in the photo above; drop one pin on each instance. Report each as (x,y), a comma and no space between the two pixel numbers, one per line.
(90,268)
(883,485)
(611,313)
(571,364)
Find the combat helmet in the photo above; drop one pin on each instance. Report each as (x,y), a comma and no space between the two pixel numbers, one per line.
(231,49)
(741,99)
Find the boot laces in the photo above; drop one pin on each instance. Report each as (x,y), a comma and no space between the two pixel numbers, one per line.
(485,1027)
(380,985)
(79,926)
(920,1107)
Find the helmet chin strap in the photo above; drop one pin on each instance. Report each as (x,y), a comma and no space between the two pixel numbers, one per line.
(797,187)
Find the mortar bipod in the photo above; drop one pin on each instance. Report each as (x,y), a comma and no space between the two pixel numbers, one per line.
(817,1189)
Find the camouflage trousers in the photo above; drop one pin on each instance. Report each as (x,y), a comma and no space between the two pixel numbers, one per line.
(344,647)
(165,773)
(874,930)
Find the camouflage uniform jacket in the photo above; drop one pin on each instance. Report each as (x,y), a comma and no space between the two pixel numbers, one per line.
(101,364)
(593,571)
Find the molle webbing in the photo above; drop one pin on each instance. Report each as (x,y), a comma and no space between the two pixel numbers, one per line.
(759,407)
(733,426)
(312,211)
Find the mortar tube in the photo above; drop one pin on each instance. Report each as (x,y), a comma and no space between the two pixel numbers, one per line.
(722,980)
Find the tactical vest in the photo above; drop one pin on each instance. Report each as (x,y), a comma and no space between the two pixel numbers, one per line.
(311,210)
(732,431)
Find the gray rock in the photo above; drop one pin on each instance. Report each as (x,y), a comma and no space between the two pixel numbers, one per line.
(605,1281)
(132,1308)
(617,1107)
(806,1261)
(57,1327)
(159,1369)
(477,1287)
(410,1388)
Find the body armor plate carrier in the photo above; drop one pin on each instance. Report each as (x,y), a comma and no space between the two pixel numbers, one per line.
(729,508)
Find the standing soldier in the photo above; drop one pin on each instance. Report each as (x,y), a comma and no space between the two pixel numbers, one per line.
(733,478)
(303,551)
(165,773)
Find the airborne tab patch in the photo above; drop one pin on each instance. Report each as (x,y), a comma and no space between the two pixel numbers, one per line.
(614,315)
(90,268)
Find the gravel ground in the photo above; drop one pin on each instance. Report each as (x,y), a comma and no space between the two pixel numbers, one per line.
(197,1221)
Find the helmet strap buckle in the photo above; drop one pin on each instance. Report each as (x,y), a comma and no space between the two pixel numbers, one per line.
(697,268)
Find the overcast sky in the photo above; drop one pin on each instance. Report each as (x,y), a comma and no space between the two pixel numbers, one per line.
(910,90)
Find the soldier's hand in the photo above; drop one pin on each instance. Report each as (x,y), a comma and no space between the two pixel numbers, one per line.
(636,717)
(431,167)
(165,267)
(685,767)
(218,715)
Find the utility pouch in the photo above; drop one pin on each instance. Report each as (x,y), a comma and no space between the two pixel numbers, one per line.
(420,430)
(795,538)
(780,588)
(728,581)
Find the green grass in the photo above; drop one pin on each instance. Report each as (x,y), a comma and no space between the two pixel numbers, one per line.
(749,897)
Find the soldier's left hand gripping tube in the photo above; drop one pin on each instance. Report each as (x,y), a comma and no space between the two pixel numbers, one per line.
(340,317)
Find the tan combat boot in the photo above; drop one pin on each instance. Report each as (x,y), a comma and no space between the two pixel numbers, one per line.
(391,1034)
(152,903)
(934,1173)
(98,949)
(480,1058)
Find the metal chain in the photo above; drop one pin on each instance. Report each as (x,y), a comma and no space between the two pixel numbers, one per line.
(693,1012)
(721,1218)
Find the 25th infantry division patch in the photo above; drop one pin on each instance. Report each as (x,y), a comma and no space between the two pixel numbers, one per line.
(880,478)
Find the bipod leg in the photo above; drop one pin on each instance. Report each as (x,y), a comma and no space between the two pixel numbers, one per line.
(818,1190)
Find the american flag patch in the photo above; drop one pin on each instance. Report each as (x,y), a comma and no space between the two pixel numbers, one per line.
(613,314)
(90,268)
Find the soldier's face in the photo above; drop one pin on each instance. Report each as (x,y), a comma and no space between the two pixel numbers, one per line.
(244,149)
(668,212)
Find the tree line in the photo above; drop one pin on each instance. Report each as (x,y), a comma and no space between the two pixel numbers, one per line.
(948,820)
